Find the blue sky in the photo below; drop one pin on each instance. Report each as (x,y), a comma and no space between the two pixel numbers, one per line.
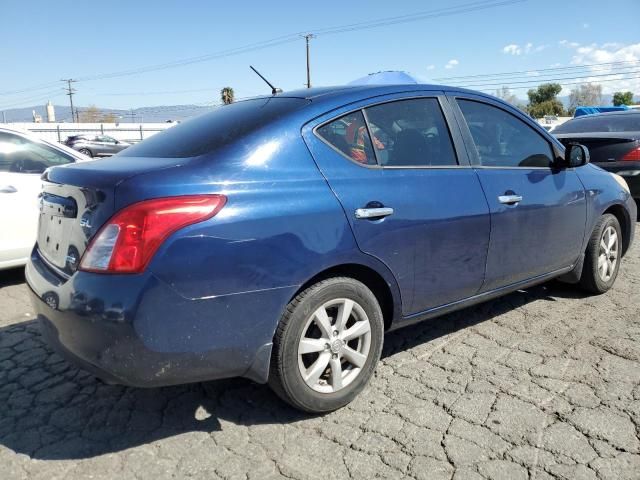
(45,41)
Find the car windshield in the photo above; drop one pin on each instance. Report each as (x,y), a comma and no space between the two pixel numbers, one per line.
(215,129)
(628,122)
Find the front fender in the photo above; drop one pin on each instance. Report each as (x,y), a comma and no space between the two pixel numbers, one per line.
(605,194)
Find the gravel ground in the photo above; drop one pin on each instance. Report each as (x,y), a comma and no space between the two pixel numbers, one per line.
(543,383)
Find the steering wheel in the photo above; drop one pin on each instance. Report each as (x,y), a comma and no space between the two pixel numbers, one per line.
(27,166)
(17,166)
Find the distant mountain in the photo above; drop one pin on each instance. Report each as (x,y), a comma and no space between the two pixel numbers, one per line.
(161,113)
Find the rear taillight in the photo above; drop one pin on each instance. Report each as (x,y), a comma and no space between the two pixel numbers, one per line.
(128,241)
(632,155)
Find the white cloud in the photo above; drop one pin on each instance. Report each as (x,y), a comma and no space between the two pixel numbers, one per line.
(516,49)
(512,49)
(451,64)
(568,44)
(620,77)
(430,67)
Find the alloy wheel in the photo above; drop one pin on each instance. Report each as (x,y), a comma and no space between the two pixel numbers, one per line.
(608,253)
(334,345)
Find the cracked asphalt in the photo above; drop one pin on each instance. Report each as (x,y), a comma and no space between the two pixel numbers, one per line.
(541,384)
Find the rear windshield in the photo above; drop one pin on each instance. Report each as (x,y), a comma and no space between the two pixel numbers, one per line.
(628,122)
(212,130)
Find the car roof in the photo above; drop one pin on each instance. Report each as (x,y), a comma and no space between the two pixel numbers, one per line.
(365,91)
(325,99)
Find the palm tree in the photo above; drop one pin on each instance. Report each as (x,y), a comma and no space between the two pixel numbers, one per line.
(226,95)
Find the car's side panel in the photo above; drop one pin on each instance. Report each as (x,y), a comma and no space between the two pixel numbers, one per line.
(18,216)
(435,242)
(603,192)
(543,232)
(280,227)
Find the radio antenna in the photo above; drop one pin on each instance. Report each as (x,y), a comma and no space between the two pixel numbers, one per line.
(274,90)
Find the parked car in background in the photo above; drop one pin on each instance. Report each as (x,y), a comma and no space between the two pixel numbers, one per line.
(96,145)
(23,159)
(279,238)
(613,140)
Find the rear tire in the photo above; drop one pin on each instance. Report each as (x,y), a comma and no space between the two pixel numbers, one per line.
(327,345)
(603,255)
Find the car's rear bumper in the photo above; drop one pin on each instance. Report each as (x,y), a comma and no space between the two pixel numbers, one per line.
(136,330)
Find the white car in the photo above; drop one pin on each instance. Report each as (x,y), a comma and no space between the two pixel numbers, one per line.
(23,159)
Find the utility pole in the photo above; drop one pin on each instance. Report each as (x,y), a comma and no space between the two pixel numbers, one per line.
(70,92)
(308,37)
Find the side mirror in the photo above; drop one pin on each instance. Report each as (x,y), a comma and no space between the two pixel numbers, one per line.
(576,155)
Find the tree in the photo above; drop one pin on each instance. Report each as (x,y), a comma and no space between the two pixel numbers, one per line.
(108,118)
(505,94)
(583,95)
(90,115)
(93,115)
(226,95)
(622,98)
(543,100)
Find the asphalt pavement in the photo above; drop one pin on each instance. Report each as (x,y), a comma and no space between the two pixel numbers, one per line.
(543,383)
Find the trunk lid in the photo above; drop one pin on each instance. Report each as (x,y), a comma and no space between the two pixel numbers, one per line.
(77,199)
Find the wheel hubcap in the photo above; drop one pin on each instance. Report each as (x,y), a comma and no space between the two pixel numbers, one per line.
(334,345)
(608,254)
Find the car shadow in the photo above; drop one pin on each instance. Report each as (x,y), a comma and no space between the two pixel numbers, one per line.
(52,410)
(13,276)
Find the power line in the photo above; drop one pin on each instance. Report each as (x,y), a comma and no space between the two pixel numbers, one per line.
(540,70)
(381,22)
(28,101)
(568,83)
(417,16)
(164,92)
(544,80)
(29,89)
(413,17)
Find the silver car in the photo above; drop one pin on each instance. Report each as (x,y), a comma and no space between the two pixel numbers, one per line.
(96,145)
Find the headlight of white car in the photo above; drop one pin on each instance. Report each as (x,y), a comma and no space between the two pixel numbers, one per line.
(622,182)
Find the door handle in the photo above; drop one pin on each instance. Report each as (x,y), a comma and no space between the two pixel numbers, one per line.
(8,189)
(373,212)
(510,199)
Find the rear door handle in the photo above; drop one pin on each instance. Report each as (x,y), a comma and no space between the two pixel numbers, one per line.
(374,212)
(510,199)
(8,189)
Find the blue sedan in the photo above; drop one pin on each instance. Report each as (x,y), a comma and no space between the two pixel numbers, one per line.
(279,238)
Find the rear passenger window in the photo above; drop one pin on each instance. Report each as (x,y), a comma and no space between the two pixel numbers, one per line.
(348,134)
(502,140)
(411,133)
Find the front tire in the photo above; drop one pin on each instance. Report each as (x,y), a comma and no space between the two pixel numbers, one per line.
(86,151)
(602,257)
(327,345)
